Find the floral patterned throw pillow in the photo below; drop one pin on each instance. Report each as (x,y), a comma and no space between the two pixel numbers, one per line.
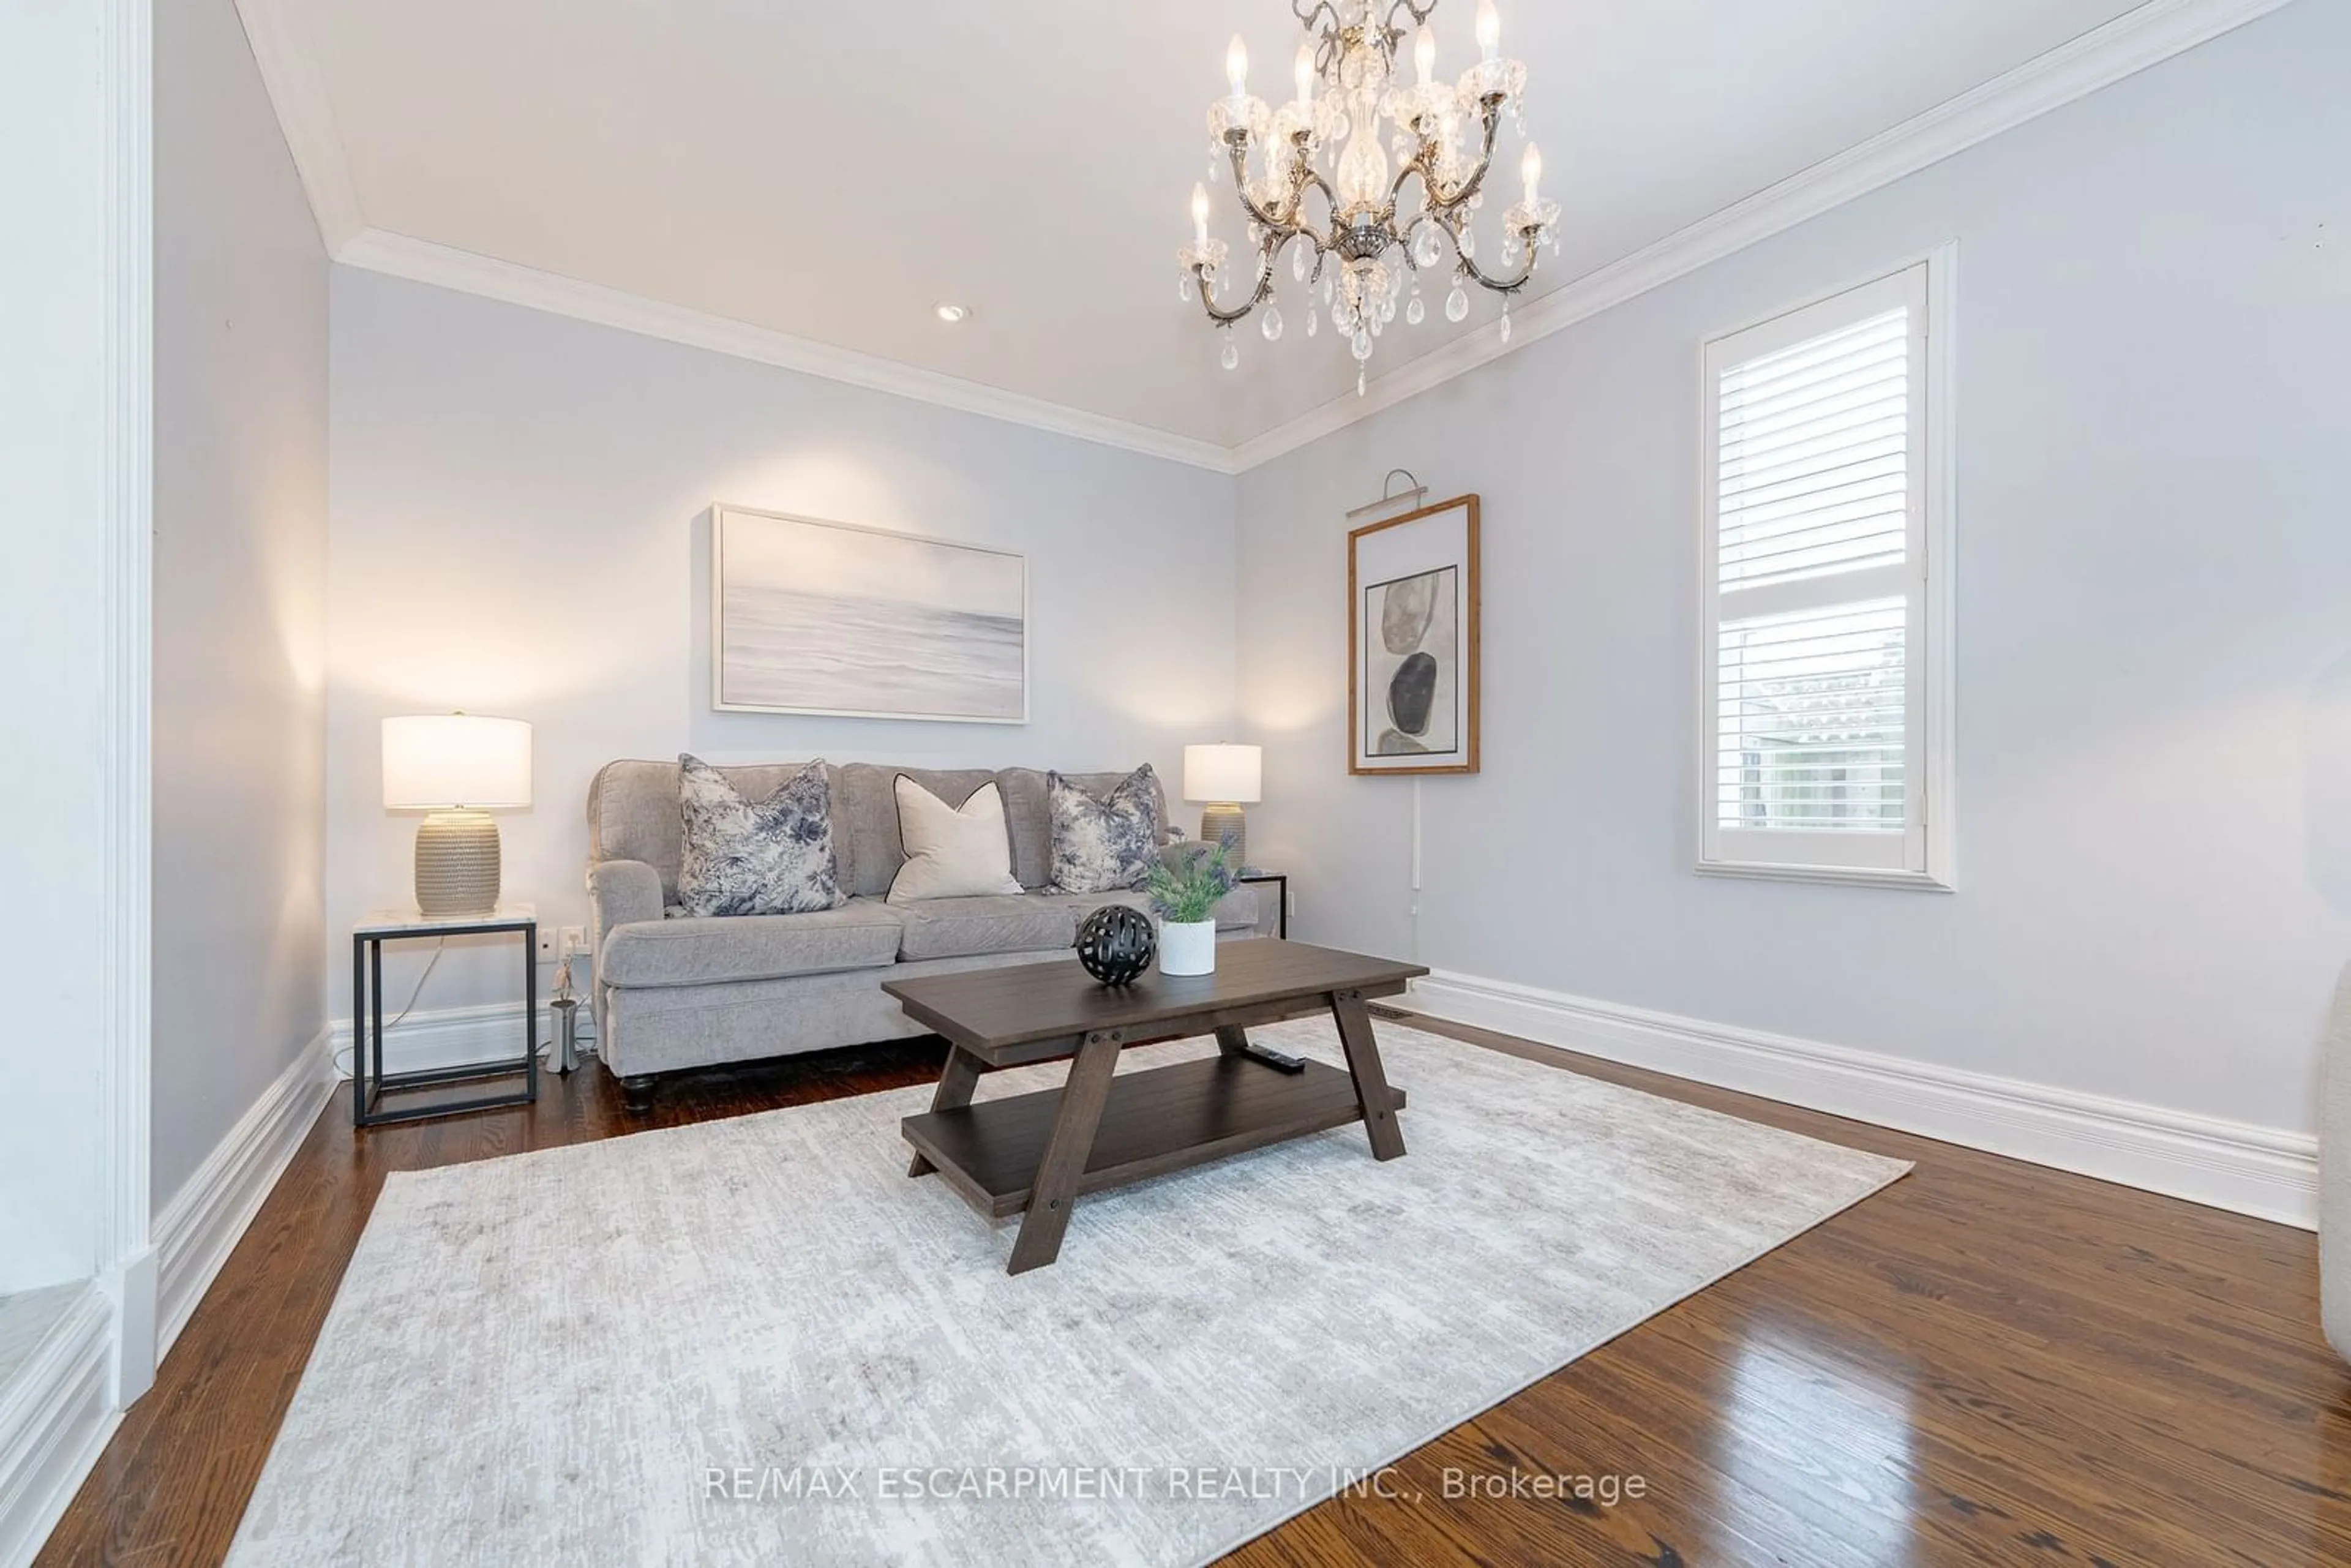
(755,857)
(1101,846)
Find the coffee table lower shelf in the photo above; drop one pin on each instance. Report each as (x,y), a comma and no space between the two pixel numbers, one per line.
(1164,1119)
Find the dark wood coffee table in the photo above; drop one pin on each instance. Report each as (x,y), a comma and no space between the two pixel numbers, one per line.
(1034,1154)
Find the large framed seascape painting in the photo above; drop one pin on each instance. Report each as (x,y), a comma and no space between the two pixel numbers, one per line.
(815,617)
(1412,642)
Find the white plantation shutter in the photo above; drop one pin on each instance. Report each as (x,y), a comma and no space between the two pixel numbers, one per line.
(1816,499)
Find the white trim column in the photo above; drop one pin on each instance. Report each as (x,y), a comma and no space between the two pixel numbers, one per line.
(125,1248)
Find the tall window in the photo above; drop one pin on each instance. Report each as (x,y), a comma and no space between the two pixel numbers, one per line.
(1826,665)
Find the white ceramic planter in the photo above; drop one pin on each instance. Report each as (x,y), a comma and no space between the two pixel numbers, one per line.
(1188,948)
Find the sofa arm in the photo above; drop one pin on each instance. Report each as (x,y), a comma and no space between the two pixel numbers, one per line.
(622,893)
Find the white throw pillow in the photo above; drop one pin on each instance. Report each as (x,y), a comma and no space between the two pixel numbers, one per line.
(952,854)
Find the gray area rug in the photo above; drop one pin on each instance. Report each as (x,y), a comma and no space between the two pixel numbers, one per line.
(756,1341)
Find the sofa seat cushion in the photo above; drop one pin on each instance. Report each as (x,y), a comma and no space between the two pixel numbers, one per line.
(696,950)
(961,927)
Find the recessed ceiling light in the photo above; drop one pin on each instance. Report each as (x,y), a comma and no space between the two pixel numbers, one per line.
(951,313)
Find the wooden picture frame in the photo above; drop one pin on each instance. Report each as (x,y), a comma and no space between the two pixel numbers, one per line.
(1413,641)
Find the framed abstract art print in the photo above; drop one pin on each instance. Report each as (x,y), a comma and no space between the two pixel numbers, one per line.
(1412,642)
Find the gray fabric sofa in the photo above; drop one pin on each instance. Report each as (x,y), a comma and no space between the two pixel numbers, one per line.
(673,993)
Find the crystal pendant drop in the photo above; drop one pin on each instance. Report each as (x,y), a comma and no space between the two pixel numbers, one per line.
(1506,320)
(1414,312)
(1363,344)
(1271,324)
(1425,245)
(1361,377)
(1457,305)
(1309,321)
(1231,358)
(1184,289)
(1326,289)
(1469,244)
(1297,263)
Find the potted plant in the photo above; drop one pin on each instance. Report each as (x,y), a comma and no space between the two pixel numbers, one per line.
(1185,898)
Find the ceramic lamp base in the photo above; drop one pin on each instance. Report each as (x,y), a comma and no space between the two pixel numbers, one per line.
(457,864)
(1225,818)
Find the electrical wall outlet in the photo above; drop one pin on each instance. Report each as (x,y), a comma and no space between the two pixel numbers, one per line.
(575,940)
(547,944)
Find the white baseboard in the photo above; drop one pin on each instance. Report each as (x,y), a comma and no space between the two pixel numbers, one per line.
(55,1418)
(2266,1172)
(446,1037)
(202,1224)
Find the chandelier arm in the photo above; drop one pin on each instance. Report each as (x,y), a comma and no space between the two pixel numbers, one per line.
(1315,181)
(1490,107)
(1498,284)
(1239,149)
(1310,237)
(1224,317)
(1419,13)
(1308,17)
(1418,164)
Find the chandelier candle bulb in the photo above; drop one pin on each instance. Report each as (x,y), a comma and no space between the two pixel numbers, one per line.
(1302,72)
(1489,31)
(1237,67)
(1530,171)
(1200,215)
(1424,54)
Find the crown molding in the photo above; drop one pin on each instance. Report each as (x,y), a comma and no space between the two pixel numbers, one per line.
(298,91)
(420,261)
(2147,35)
(2153,33)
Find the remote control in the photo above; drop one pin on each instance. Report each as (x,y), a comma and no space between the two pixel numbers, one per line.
(1278,1059)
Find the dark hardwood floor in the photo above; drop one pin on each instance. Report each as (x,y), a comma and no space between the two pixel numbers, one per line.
(1987,1362)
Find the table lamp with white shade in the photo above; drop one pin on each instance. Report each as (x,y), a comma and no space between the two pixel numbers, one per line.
(459,768)
(1225,776)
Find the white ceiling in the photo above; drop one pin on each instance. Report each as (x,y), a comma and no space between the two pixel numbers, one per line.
(832,172)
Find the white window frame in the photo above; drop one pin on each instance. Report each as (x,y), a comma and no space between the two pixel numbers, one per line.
(1924,856)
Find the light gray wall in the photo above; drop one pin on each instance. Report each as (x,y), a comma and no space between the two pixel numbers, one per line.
(520,527)
(2153,557)
(53,468)
(239,730)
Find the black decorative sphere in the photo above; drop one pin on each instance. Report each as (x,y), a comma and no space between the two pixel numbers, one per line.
(1115,944)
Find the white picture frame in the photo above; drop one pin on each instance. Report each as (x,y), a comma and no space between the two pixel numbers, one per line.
(837,620)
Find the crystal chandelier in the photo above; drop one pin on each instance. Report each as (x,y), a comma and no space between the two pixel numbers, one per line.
(1366,253)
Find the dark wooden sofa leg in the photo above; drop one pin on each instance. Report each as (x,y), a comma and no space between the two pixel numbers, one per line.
(637,1094)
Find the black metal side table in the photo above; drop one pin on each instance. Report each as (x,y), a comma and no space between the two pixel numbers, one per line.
(371,1085)
(1281,878)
